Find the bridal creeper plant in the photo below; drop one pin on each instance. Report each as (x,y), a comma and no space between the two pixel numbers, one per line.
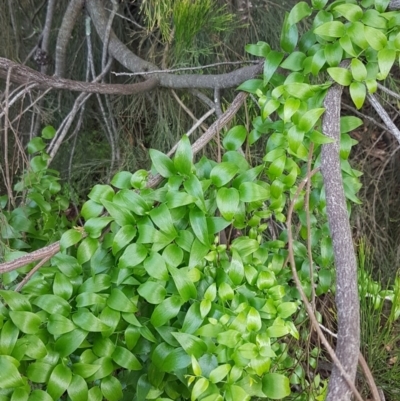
(147,301)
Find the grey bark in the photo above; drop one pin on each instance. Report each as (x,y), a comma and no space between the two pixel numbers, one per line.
(347,302)
(64,34)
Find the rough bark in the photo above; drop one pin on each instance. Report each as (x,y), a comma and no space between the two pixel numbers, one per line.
(24,75)
(347,302)
(64,34)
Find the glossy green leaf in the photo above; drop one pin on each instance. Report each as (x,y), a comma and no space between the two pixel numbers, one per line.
(69,238)
(95,225)
(198,223)
(199,388)
(111,388)
(286,309)
(120,214)
(106,368)
(16,301)
(373,18)
(184,285)
(152,292)
(357,93)
(9,375)
(333,54)
(332,29)
(166,310)
(222,173)
(161,217)
(126,359)
(294,61)
(27,322)
(252,192)
(295,137)
(229,338)
(48,132)
(319,138)
(275,386)
(299,12)
(191,344)
(122,179)
(120,302)
(228,202)
(8,337)
(318,61)
(87,321)
(123,237)
(184,156)
(358,70)
(351,12)
(261,49)
(59,381)
(349,123)
(376,38)
(193,319)
(87,249)
(272,62)
(288,39)
(59,324)
(170,359)
(162,163)
(133,255)
(236,393)
(155,266)
(91,209)
(356,33)
(341,75)
(132,201)
(299,90)
(35,145)
(253,320)
(101,192)
(53,304)
(85,370)
(251,86)
(39,372)
(235,137)
(78,389)
(219,373)
(386,58)
(309,119)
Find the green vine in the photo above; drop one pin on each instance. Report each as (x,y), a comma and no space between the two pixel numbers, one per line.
(182,292)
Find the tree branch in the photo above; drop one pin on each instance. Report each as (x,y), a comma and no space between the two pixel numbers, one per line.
(24,75)
(64,34)
(348,342)
(135,64)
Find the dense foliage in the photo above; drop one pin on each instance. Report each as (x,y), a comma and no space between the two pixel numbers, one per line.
(182,291)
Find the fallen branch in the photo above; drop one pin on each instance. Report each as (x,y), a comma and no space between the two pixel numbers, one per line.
(22,74)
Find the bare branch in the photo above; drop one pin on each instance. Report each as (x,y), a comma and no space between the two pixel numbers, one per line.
(24,75)
(64,34)
(348,343)
(172,70)
(384,116)
(135,64)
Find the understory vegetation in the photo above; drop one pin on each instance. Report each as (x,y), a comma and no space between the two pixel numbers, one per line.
(208,272)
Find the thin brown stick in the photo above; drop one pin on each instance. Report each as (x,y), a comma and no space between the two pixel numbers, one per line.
(31,273)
